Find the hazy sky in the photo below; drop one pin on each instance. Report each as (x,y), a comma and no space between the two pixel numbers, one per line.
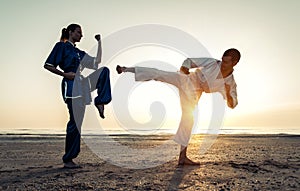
(265,31)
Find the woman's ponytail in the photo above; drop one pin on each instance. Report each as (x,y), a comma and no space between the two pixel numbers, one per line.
(64,35)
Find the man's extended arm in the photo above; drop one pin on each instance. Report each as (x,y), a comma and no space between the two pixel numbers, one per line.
(186,65)
(196,63)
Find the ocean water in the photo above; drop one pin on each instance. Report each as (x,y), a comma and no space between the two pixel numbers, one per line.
(224,130)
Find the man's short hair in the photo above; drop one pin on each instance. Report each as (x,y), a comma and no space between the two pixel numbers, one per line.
(234,53)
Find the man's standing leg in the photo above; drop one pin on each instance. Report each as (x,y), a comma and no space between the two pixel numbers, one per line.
(186,124)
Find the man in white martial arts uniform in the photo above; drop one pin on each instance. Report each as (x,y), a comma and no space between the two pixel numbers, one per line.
(210,76)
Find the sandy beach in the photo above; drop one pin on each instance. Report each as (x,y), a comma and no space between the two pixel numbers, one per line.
(233,162)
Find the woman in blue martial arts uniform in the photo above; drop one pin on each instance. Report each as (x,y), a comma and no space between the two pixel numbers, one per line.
(76,88)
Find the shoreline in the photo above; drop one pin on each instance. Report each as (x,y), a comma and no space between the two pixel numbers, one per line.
(223,130)
(163,136)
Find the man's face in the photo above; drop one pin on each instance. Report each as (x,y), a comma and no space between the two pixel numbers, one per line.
(76,34)
(227,61)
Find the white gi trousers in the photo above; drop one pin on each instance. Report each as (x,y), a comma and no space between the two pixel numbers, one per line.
(190,90)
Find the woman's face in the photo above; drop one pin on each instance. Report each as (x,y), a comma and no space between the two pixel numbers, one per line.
(75,35)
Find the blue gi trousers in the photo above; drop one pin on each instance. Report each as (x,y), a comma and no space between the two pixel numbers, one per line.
(99,80)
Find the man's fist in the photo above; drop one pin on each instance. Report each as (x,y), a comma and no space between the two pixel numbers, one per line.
(98,37)
(184,70)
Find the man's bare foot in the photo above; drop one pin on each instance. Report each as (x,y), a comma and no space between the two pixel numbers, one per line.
(101,110)
(120,69)
(187,161)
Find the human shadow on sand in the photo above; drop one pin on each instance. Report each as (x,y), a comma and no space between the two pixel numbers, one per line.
(177,178)
(23,175)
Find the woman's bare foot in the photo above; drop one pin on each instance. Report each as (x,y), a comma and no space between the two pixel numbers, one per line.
(187,161)
(71,165)
(100,110)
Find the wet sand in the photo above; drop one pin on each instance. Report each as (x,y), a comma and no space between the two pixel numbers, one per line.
(233,162)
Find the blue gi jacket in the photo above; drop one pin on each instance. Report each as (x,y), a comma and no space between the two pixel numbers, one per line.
(71,59)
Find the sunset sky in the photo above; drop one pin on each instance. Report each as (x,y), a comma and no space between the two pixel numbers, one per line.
(265,31)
